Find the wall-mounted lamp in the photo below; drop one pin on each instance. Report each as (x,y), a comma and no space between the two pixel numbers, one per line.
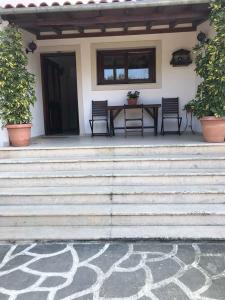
(31,47)
(201,37)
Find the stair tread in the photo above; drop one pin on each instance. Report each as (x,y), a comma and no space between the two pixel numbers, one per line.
(112,210)
(108,173)
(112,232)
(116,190)
(111,158)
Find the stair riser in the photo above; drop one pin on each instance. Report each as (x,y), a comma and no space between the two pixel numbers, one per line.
(116,180)
(56,221)
(161,220)
(101,151)
(52,199)
(111,232)
(43,233)
(108,198)
(75,166)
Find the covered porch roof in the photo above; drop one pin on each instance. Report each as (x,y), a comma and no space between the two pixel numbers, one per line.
(57,20)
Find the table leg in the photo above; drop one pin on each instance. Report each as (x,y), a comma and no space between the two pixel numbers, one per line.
(112,131)
(155,112)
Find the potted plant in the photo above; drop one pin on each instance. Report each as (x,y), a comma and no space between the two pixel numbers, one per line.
(189,106)
(209,103)
(132,97)
(16,87)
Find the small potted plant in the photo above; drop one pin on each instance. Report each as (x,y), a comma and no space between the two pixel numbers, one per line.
(132,97)
(209,103)
(16,87)
(189,106)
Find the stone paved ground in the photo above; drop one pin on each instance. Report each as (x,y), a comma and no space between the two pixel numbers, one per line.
(114,270)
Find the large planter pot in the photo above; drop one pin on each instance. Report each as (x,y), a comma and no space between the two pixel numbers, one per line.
(19,134)
(132,101)
(213,129)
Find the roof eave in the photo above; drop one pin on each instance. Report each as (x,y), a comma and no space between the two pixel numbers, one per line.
(98,6)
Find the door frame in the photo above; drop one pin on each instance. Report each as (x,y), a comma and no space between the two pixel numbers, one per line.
(49,51)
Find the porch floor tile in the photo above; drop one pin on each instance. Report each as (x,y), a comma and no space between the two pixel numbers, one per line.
(118,140)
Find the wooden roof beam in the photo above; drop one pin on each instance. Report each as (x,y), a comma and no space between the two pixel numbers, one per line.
(57,30)
(125,27)
(110,20)
(81,30)
(198,22)
(172,24)
(149,26)
(103,29)
(115,33)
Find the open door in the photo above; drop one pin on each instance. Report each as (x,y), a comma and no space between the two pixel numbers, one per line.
(60,93)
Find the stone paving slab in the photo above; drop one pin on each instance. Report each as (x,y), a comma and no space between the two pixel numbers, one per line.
(113,270)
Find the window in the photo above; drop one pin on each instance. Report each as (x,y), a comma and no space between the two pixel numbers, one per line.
(126,66)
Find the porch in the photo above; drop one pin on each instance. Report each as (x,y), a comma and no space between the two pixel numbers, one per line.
(119,140)
(71,37)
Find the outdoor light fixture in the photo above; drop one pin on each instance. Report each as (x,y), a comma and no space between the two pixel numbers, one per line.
(201,37)
(31,47)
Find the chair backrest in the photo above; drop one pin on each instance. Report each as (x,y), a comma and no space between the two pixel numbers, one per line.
(170,106)
(99,109)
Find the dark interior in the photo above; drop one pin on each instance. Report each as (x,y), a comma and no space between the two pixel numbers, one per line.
(60,93)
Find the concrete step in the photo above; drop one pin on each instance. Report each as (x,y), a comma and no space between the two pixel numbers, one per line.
(113,215)
(116,177)
(92,151)
(24,233)
(155,194)
(113,163)
(175,191)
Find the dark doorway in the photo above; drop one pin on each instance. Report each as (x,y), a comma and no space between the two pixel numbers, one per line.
(60,93)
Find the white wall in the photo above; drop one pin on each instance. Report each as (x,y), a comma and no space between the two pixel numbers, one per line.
(176,81)
(34,66)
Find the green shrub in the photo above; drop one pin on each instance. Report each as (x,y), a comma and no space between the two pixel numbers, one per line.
(16,83)
(210,66)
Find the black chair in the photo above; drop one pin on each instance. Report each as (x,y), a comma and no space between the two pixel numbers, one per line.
(130,120)
(170,110)
(99,114)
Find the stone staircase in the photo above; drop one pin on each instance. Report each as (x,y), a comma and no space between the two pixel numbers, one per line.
(113,192)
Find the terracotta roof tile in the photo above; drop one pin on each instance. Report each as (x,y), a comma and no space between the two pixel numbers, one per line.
(31,5)
(40,3)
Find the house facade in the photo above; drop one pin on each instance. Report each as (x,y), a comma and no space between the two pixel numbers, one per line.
(100,50)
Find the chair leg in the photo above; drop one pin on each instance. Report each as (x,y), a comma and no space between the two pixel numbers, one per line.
(107,127)
(179,125)
(92,129)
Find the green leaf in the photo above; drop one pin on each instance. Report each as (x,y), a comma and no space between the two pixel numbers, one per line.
(17,93)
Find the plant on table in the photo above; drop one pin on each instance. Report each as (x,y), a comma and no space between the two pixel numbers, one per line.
(209,103)
(132,97)
(16,86)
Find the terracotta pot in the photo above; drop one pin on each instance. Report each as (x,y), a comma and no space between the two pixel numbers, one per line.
(19,134)
(132,101)
(213,129)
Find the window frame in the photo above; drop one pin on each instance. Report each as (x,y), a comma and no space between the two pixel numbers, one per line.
(100,66)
